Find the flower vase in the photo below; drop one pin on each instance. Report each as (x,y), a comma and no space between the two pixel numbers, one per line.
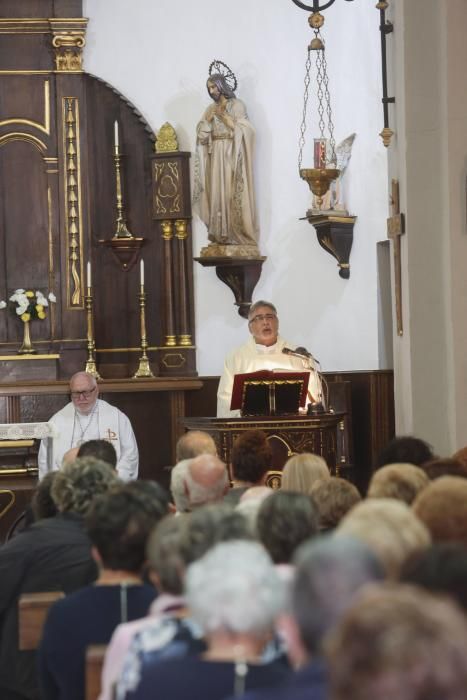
(26,348)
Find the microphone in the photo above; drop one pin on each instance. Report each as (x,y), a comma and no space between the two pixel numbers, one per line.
(302,352)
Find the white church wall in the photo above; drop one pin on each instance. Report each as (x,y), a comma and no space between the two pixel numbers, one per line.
(429,158)
(157,54)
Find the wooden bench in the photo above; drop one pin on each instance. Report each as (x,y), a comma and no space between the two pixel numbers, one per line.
(94,662)
(32,613)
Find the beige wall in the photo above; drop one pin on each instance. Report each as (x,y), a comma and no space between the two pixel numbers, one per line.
(428,156)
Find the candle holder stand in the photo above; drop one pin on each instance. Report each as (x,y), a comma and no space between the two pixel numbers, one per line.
(91,346)
(144,369)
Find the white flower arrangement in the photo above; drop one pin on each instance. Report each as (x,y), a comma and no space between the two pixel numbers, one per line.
(29,305)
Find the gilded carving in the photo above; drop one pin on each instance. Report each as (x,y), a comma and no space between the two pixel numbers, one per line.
(167,230)
(73,202)
(166,140)
(68,47)
(173,360)
(181,229)
(167,184)
(185,340)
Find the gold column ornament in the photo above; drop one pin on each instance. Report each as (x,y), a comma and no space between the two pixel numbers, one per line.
(167,235)
(144,369)
(121,230)
(68,47)
(88,300)
(181,234)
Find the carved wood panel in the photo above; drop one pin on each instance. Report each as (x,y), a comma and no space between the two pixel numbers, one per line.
(59,197)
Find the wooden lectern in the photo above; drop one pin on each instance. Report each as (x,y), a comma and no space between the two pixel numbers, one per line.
(287,435)
(269,393)
(275,398)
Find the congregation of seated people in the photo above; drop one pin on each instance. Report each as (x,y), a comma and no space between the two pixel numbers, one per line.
(226,588)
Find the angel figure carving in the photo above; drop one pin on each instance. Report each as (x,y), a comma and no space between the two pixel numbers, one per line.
(334,199)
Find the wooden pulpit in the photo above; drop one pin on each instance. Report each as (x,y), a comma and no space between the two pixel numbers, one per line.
(287,435)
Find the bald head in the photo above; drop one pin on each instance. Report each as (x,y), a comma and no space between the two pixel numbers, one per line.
(195,443)
(206,480)
(84,392)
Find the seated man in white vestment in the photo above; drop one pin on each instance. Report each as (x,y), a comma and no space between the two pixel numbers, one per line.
(85,418)
(264,350)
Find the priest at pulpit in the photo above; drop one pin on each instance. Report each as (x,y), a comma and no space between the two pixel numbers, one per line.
(85,418)
(265,349)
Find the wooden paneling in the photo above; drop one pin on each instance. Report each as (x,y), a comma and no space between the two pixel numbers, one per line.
(58,198)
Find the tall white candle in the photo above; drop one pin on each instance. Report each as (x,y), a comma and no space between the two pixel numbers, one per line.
(116,135)
(141,272)
(89,274)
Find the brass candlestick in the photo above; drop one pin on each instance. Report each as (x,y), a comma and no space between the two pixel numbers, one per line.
(121,230)
(91,361)
(144,370)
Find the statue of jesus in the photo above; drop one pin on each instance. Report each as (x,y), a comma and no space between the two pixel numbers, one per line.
(223,191)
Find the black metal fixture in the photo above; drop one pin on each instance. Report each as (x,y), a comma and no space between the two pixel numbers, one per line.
(385,27)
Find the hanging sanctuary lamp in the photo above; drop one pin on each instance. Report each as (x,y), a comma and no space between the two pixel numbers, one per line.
(334,230)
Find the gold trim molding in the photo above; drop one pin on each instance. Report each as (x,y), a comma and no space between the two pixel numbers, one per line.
(21,136)
(41,25)
(16,443)
(29,358)
(67,38)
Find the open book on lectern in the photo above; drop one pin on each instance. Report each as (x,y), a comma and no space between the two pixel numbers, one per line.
(269,392)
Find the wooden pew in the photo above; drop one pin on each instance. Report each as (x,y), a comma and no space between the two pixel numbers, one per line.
(32,613)
(94,662)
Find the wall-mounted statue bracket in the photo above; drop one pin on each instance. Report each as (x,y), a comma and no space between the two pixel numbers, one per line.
(335,235)
(239,274)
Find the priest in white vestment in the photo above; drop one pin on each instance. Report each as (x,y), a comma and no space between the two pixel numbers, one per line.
(264,350)
(85,418)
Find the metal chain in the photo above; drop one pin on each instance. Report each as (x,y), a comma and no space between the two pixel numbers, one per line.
(301,140)
(324,102)
(319,86)
(332,142)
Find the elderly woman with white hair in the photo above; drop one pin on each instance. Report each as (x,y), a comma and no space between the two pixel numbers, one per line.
(235,595)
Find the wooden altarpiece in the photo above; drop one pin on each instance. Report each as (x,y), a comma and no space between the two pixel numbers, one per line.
(59,211)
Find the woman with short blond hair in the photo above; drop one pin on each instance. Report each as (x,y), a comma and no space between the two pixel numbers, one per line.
(301,471)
